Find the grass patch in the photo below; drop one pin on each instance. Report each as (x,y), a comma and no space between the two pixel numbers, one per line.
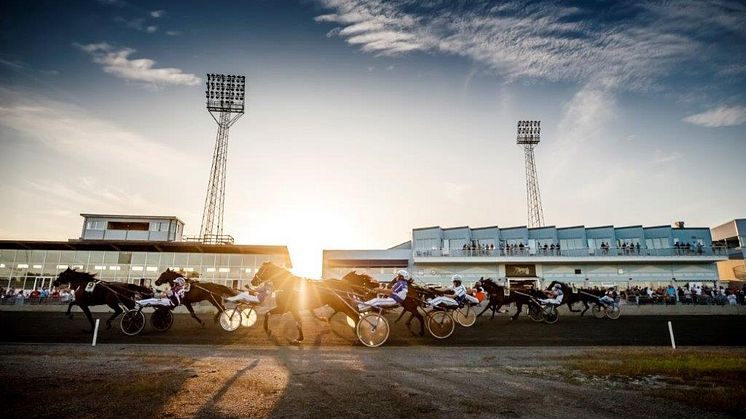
(709,379)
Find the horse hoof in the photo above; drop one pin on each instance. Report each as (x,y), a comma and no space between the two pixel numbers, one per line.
(296,342)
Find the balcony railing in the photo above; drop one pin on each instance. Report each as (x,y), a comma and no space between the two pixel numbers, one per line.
(584,252)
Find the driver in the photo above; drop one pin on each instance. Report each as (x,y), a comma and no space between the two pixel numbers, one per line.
(173,296)
(557,296)
(177,291)
(253,295)
(610,297)
(396,294)
(459,294)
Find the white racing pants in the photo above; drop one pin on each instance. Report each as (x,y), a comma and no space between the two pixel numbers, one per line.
(150,302)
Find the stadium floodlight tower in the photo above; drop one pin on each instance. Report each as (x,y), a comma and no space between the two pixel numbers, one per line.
(528,138)
(225,102)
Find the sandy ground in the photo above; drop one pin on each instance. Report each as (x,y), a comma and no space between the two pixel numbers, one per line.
(126,380)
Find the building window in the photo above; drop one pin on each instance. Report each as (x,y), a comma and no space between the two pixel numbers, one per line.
(119,225)
(95,225)
(578,271)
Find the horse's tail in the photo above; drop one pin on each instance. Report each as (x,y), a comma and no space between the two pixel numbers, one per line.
(138,288)
(222,290)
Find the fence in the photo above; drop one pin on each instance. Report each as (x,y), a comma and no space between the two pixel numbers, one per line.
(582,252)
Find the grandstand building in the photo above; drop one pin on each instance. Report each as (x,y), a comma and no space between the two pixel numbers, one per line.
(584,256)
(732,236)
(135,249)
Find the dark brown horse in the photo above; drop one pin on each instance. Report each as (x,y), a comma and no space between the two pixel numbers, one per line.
(353,286)
(417,297)
(113,294)
(498,298)
(295,294)
(198,291)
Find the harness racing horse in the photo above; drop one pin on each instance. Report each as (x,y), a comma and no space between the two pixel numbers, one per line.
(499,299)
(352,284)
(570,297)
(113,294)
(199,291)
(416,297)
(294,294)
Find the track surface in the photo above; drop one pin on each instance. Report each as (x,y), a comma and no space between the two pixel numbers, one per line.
(38,327)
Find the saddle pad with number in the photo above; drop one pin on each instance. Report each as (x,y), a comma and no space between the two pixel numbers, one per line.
(90,286)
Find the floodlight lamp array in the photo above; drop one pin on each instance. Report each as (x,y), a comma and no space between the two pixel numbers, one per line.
(529,132)
(225,93)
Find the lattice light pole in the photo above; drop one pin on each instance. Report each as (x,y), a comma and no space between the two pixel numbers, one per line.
(225,102)
(528,138)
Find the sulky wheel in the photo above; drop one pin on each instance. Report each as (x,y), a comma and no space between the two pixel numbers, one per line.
(466,316)
(534,312)
(248,317)
(440,324)
(230,319)
(372,330)
(132,323)
(613,312)
(550,314)
(162,319)
(598,311)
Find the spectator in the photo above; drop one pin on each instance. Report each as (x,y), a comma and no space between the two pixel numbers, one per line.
(35,293)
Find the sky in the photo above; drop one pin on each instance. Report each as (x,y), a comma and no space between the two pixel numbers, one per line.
(367,118)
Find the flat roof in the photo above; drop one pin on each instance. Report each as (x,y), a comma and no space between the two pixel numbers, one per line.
(146,246)
(125,216)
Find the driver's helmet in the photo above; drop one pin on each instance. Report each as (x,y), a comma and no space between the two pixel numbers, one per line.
(456,279)
(179,282)
(557,287)
(401,273)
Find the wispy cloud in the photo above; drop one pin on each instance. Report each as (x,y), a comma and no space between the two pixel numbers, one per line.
(585,115)
(138,23)
(173,33)
(118,63)
(664,157)
(157,13)
(723,116)
(72,132)
(636,44)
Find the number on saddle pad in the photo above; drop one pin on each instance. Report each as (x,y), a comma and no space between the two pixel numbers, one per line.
(90,286)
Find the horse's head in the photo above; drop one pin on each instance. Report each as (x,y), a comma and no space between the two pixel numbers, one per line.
(69,276)
(167,276)
(488,284)
(360,280)
(266,272)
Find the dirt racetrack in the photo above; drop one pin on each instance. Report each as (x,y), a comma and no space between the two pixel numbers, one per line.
(143,381)
(38,327)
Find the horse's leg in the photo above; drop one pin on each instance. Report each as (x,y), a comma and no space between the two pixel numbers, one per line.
(496,309)
(402,315)
(221,309)
(486,307)
(299,325)
(69,307)
(519,307)
(266,324)
(570,305)
(420,318)
(585,303)
(194,315)
(117,311)
(87,313)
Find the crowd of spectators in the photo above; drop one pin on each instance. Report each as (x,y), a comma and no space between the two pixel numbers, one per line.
(474,248)
(36,296)
(687,294)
